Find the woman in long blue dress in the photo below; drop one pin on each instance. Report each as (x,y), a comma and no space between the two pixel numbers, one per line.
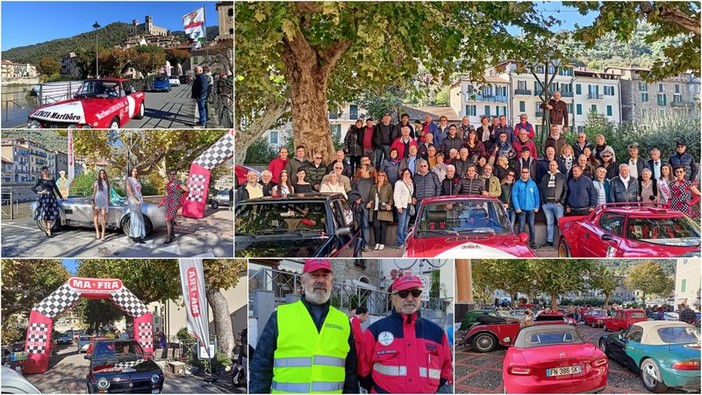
(101,203)
(137,230)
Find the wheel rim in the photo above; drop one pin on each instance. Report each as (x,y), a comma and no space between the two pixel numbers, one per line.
(603,347)
(650,374)
(484,342)
(561,250)
(114,125)
(141,110)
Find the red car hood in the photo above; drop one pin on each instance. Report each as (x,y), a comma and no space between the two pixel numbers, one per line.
(71,110)
(467,246)
(75,110)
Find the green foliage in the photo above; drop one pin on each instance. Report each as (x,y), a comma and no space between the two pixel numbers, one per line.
(378,103)
(12,330)
(675,26)
(98,313)
(260,152)
(48,65)
(443,98)
(184,337)
(650,278)
(82,185)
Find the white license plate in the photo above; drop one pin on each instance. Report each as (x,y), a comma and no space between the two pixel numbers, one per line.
(564,371)
(155,391)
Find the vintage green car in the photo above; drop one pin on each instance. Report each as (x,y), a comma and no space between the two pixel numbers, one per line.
(665,353)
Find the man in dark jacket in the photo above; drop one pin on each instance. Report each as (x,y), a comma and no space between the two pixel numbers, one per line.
(451,185)
(581,197)
(199,93)
(558,112)
(553,190)
(526,161)
(636,163)
(397,130)
(453,140)
(426,183)
(682,158)
(472,184)
(273,362)
(383,135)
(580,145)
(315,171)
(624,188)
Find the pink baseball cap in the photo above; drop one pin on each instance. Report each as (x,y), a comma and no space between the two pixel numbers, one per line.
(407,281)
(312,265)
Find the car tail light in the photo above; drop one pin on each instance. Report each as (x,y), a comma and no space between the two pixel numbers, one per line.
(687,365)
(519,370)
(599,362)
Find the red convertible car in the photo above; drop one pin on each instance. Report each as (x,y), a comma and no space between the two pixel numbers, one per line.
(462,227)
(107,103)
(553,359)
(630,230)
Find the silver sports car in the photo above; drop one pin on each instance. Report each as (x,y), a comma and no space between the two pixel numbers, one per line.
(78,212)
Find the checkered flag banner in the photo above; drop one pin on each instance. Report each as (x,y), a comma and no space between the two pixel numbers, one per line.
(125,300)
(146,335)
(127,364)
(197,184)
(58,302)
(219,152)
(37,338)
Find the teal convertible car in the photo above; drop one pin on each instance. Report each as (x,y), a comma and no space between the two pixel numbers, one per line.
(665,353)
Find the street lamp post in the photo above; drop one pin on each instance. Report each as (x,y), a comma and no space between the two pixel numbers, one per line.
(96,26)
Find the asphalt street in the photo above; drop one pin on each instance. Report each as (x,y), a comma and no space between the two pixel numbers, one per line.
(212,234)
(67,371)
(482,373)
(174,109)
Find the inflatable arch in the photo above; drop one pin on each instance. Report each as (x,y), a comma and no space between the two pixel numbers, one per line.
(199,177)
(41,319)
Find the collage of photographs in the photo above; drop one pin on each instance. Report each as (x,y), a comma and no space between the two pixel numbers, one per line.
(251,197)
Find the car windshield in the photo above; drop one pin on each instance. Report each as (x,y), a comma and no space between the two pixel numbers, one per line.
(275,218)
(463,217)
(99,89)
(531,337)
(599,312)
(162,79)
(117,349)
(679,335)
(676,231)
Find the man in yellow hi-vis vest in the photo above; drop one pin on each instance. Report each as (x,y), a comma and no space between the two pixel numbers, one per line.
(306,346)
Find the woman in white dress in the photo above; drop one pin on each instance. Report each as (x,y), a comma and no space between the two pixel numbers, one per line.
(101,203)
(331,184)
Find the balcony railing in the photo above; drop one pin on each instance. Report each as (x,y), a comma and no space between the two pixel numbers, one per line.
(487,98)
(593,96)
(522,92)
(566,94)
(539,114)
(682,104)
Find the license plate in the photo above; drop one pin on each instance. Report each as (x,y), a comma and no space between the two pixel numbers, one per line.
(566,370)
(155,391)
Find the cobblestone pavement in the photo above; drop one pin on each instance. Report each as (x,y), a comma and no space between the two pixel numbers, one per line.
(482,373)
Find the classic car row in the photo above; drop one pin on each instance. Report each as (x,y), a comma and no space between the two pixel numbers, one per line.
(553,357)
(473,226)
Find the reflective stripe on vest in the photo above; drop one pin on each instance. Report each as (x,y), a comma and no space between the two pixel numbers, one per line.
(433,373)
(308,361)
(402,371)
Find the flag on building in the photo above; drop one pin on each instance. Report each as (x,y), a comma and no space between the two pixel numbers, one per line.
(192,280)
(194,26)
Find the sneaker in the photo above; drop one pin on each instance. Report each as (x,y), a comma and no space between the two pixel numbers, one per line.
(366,249)
(377,247)
(382,246)
(532,245)
(549,243)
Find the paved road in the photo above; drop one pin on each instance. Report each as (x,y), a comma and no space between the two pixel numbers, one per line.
(174,109)
(482,373)
(67,371)
(211,234)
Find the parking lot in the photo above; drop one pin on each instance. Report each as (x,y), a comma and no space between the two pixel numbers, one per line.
(482,373)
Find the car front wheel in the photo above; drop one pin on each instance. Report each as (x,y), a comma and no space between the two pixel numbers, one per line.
(603,346)
(140,114)
(484,342)
(214,204)
(563,249)
(148,226)
(54,227)
(114,124)
(651,376)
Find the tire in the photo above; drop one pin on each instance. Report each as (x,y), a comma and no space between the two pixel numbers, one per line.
(592,324)
(140,114)
(563,249)
(148,226)
(214,204)
(603,347)
(54,227)
(484,342)
(114,123)
(651,376)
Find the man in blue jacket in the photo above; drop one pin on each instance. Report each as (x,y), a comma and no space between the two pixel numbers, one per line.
(199,93)
(525,198)
(581,197)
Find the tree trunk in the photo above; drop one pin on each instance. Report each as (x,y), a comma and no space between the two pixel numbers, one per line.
(244,138)
(554,301)
(606,301)
(222,322)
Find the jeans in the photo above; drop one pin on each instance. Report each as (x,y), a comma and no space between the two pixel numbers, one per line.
(379,229)
(402,226)
(527,216)
(512,216)
(365,226)
(355,162)
(378,157)
(202,110)
(553,212)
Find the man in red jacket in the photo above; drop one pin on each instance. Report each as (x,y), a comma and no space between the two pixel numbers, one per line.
(359,316)
(277,165)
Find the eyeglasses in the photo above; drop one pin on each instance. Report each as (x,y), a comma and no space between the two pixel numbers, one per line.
(510,175)
(338,168)
(403,294)
(606,156)
(171,173)
(318,157)
(525,171)
(679,171)
(423,166)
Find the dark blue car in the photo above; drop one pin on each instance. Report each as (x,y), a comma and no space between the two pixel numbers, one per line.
(121,366)
(161,84)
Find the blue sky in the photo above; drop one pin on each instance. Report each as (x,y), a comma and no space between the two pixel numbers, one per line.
(33,22)
(71,265)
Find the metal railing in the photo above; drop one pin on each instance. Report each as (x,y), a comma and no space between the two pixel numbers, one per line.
(522,92)
(594,96)
(222,102)
(6,202)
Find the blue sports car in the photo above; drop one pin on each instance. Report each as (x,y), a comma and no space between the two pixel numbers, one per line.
(161,84)
(665,353)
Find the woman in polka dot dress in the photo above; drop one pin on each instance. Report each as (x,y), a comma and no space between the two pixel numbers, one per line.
(681,191)
(47,208)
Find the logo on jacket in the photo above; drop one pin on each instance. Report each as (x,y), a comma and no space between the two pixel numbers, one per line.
(386,338)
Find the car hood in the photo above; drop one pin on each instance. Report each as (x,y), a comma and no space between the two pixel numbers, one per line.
(124,366)
(464,246)
(553,355)
(259,247)
(65,111)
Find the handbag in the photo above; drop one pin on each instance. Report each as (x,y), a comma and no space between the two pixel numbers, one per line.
(411,210)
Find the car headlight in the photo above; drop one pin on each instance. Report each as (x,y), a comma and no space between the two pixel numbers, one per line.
(155,378)
(103,384)
(33,124)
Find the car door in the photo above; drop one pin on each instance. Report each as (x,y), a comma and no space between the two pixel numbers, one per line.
(632,348)
(602,238)
(343,243)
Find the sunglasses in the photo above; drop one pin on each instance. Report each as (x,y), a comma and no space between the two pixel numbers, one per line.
(318,157)
(525,172)
(606,156)
(423,166)
(510,175)
(679,171)
(403,294)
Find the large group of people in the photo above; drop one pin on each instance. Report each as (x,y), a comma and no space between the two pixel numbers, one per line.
(392,168)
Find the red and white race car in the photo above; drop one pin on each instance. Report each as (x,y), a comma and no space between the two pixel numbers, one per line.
(99,103)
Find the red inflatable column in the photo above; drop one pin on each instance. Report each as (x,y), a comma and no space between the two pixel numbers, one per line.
(144,332)
(38,343)
(199,177)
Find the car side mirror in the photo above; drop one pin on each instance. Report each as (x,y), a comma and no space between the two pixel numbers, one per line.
(523,237)
(607,237)
(342,232)
(507,340)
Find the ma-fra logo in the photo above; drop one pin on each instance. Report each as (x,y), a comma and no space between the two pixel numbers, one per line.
(334,326)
